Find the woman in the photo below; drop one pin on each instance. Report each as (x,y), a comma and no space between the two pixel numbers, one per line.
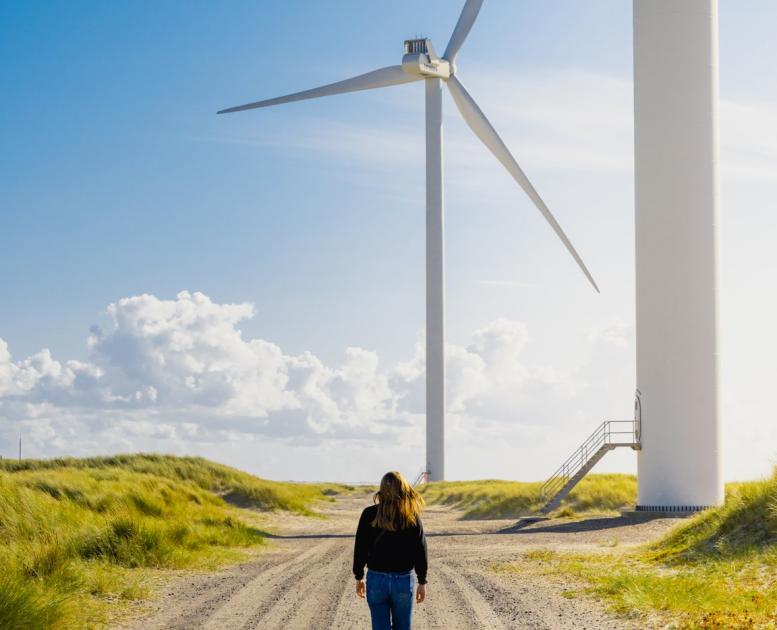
(390,541)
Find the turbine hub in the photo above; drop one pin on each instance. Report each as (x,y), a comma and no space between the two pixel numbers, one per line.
(420,59)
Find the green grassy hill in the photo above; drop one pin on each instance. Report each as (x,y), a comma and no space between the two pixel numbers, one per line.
(76,534)
(512,499)
(745,525)
(715,570)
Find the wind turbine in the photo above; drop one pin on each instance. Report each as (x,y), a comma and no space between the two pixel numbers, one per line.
(420,63)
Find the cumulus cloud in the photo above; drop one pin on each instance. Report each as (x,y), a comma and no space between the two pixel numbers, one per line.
(181,371)
(188,356)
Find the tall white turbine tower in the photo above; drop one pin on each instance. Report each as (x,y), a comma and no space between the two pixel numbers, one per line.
(676,164)
(421,63)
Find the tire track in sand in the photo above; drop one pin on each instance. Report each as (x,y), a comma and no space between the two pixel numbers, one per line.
(480,610)
(202,595)
(445,608)
(508,606)
(351,612)
(260,592)
(342,585)
(305,595)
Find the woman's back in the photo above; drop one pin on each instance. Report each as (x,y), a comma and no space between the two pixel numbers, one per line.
(396,551)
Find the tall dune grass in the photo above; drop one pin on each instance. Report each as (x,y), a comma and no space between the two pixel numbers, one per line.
(233,484)
(745,525)
(77,533)
(491,499)
(715,570)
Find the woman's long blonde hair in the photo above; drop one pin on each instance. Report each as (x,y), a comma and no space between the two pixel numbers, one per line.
(399,504)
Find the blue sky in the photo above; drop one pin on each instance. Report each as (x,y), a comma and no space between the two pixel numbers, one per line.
(113,109)
(118,180)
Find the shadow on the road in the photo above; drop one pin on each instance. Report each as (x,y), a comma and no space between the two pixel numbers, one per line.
(302,536)
(587,525)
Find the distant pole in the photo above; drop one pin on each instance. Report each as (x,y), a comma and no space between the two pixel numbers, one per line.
(435,287)
(20,447)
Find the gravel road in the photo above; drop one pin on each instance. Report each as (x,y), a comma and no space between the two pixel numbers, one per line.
(303,580)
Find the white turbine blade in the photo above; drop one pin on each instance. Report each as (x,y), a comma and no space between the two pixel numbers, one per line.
(477,121)
(391,75)
(467,18)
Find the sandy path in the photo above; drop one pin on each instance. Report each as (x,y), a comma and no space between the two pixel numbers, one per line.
(304,580)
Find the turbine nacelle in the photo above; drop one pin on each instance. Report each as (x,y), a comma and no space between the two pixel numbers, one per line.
(421,60)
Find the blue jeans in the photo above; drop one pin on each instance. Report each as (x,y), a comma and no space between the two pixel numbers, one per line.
(391,597)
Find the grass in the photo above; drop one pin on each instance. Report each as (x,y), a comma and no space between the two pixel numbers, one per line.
(493,499)
(234,485)
(79,534)
(717,570)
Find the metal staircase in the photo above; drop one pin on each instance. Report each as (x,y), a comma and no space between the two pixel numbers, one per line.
(608,436)
(421,478)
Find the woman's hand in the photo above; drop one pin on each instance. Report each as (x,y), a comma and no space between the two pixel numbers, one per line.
(360,588)
(420,594)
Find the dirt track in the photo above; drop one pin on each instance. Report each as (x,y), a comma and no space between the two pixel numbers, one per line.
(303,581)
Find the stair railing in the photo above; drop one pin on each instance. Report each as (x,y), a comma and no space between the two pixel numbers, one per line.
(609,432)
(422,477)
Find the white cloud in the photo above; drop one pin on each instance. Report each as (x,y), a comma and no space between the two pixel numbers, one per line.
(188,356)
(179,372)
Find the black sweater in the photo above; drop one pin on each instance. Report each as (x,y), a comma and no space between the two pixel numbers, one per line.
(393,552)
